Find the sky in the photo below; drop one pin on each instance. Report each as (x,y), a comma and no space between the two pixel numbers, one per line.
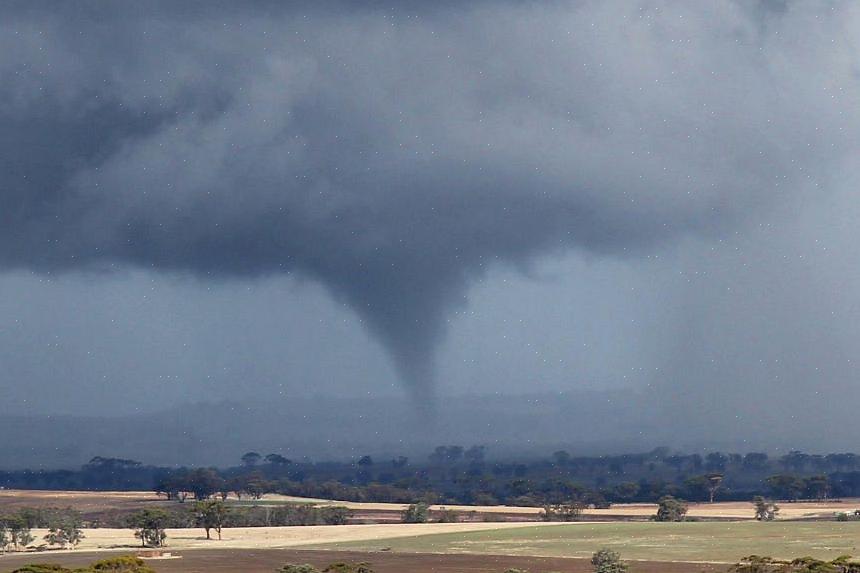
(266,201)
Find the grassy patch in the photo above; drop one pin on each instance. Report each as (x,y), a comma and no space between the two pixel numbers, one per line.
(701,541)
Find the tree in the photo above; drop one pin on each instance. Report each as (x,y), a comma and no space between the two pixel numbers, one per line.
(475,454)
(149,525)
(250,459)
(256,485)
(211,515)
(416,513)
(4,537)
(277,460)
(671,509)
(17,531)
(203,483)
(714,483)
(716,461)
(626,491)
(755,461)
(784,486)
(608,561)
(65,529)
(567,511)
(561,458)
(696,487)
(765,510)
(818,486)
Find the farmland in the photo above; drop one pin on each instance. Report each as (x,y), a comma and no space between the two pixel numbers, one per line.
(487,539)
(720,542)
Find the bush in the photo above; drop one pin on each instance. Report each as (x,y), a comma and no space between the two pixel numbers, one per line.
(342,567)
(42,568)
(608,561)
(123,564)
(671,509)
(416,513)
(293,568)
(337,515)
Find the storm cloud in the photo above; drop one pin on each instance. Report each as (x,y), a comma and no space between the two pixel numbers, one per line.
(394,153)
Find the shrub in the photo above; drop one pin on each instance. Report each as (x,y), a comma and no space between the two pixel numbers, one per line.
(122,564)
(608,561)
(293,568)
(337,515)
(416,513)
(342,567)
(671,509)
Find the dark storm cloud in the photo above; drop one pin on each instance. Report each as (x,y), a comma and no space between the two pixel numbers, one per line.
(393,152)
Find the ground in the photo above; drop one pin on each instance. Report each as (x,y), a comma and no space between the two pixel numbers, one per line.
(724,542)
(268,560)
(476,547)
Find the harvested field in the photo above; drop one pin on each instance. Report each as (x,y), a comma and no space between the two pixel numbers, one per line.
(283,537)
(735,510)
(267,560)
(94,503)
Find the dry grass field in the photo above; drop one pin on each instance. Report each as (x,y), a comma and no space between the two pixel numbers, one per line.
(473,547)
(94,502)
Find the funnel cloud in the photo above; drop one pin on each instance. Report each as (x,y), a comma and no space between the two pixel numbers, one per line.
(397,154)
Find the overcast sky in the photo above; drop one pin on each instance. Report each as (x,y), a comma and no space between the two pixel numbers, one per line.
(214,201)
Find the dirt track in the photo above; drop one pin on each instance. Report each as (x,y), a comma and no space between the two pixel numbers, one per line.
(267,560)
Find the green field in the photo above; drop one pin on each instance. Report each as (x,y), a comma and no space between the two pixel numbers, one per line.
(698,541)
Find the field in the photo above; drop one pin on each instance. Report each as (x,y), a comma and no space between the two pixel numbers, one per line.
(721,542)
(726,533)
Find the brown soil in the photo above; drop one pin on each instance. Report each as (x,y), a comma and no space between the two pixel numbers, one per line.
(268,560)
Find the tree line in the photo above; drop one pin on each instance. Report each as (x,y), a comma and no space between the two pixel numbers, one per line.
(456,474)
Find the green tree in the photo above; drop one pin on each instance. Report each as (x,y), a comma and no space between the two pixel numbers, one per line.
(608,561)
(765,510)
(250,459)
(277,460)
(696,487)
(210,515)
(626,491)
(65,529)
(17,531)
(149,525)
(818,486)
(671,509)
(784,486)
(416,513)
(203,483)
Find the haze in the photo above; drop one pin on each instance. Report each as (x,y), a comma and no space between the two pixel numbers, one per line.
(381,210)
